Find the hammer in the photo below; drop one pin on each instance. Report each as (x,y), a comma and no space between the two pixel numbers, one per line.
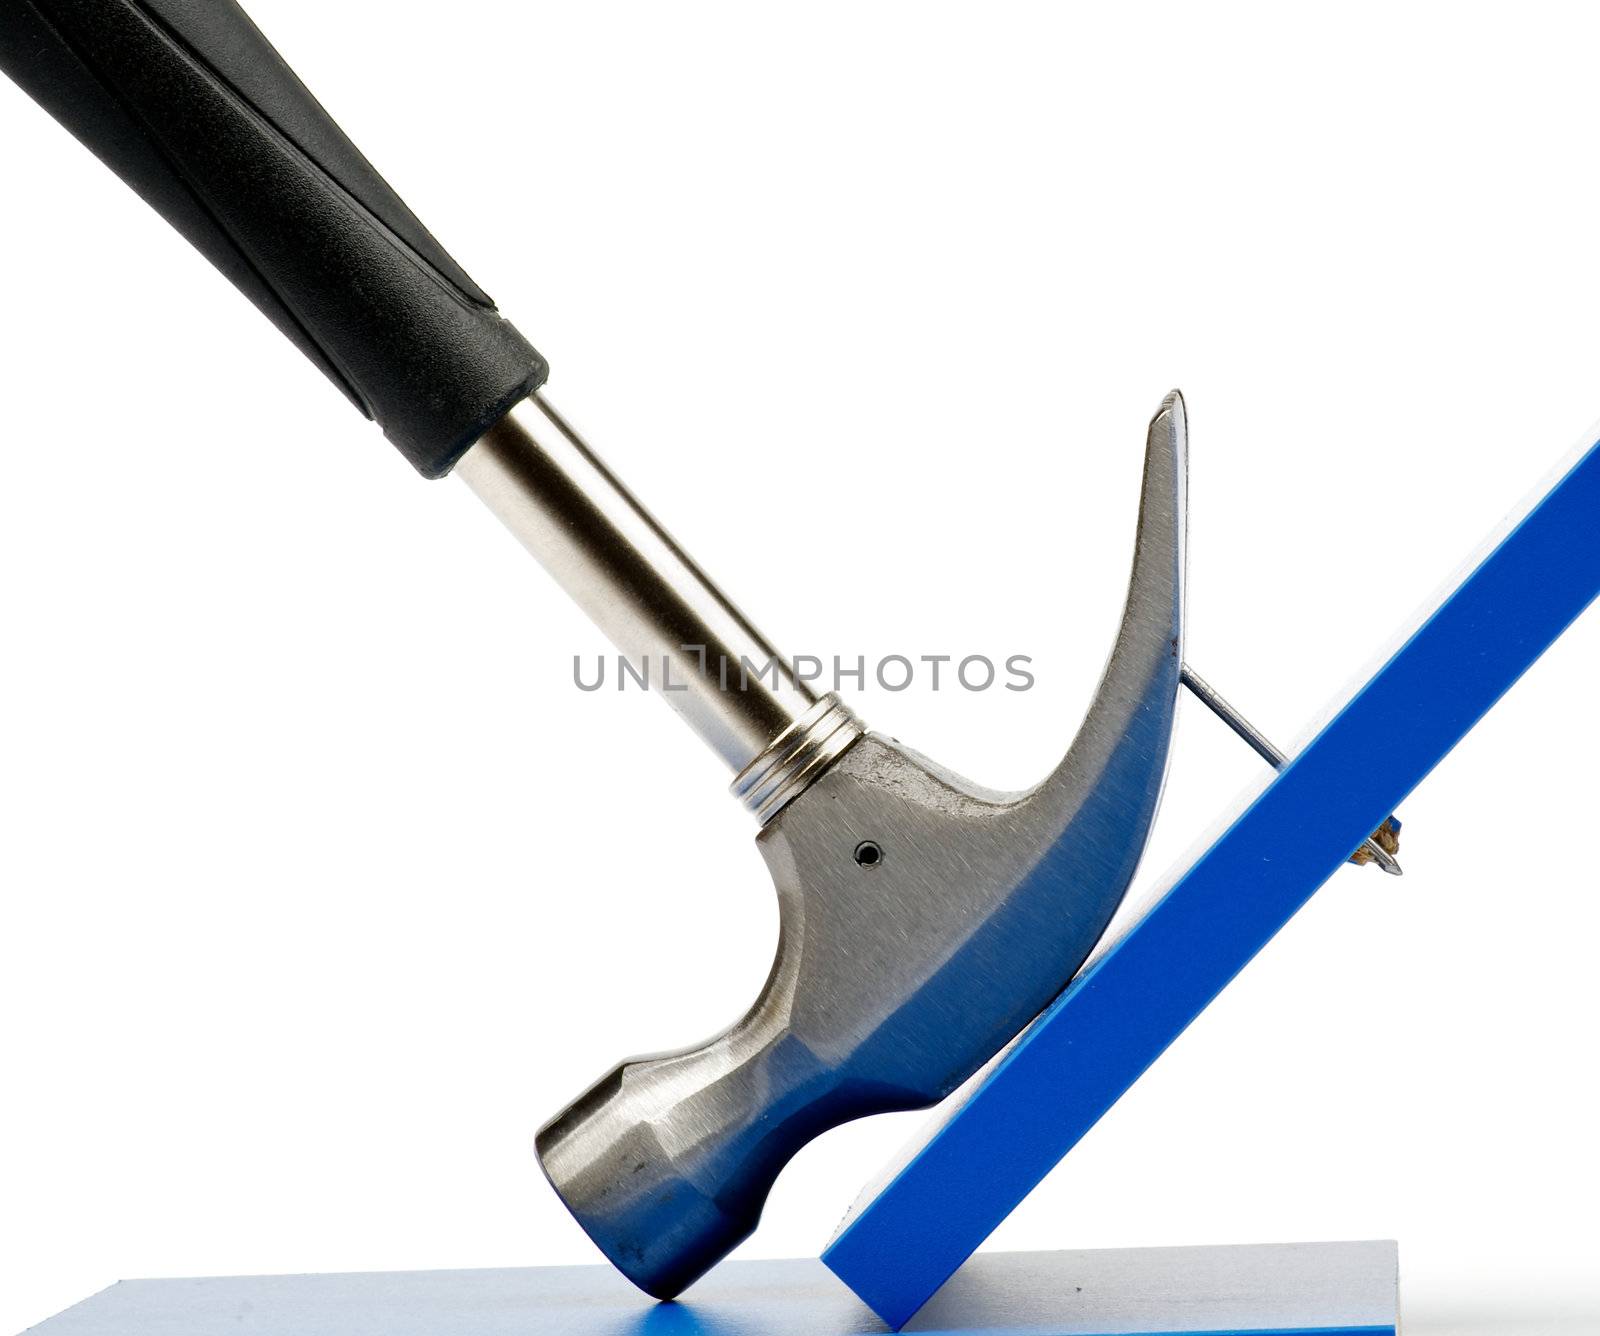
(924,920)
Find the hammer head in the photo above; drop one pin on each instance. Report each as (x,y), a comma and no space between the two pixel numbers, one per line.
(923,923)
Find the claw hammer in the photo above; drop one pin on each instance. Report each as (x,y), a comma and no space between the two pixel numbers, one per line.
(924,921)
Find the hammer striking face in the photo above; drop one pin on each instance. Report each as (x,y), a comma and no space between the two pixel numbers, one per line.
(923,923)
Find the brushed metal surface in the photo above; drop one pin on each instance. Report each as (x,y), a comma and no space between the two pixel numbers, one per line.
(893,981)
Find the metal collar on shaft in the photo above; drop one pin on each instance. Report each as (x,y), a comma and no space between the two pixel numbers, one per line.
(795,757)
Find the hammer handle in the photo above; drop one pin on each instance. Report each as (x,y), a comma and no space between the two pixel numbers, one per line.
(192,107)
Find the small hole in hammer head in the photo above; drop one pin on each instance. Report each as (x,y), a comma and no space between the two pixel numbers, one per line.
(868,854)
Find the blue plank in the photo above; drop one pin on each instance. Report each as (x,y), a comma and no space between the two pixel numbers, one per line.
(1285,1289)
(1100,1036)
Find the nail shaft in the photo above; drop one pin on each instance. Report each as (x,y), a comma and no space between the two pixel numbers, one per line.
(1214,701)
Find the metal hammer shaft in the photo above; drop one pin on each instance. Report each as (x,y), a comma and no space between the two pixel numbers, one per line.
(627,573)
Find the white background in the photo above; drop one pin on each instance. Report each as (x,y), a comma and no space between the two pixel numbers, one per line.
(321,886)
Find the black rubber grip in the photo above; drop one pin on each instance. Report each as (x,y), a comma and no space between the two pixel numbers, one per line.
(191,106)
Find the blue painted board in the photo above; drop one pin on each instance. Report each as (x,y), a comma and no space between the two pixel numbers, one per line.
(1117,1017)
(1304,1289)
